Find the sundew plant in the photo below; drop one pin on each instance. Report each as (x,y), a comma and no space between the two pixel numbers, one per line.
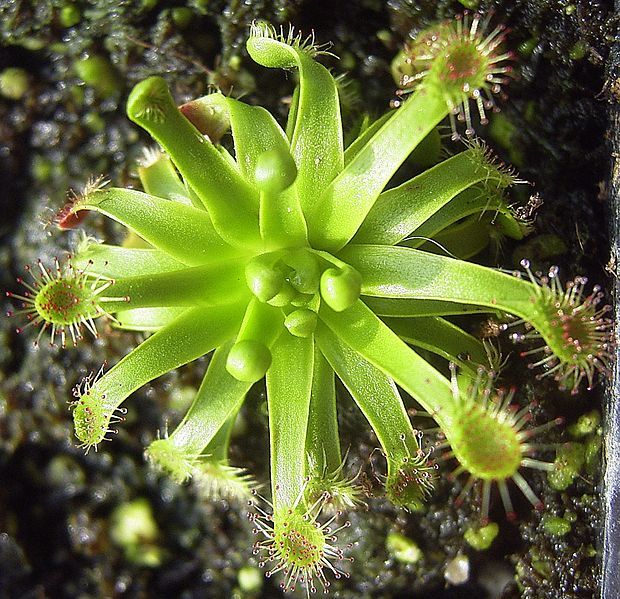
(295,260)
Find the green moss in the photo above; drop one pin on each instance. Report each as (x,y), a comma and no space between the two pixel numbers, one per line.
(41,169)
(578,51)
(481,538)
(470,4)
(70,15)
(593,453)
(402,548)
(250,579)
(98,72)
(569,460)
(94,122)
(182,17)
(543,567)
(586,424)
(555,526)
(133,529)
(13,83)
(146,5)
(527,47)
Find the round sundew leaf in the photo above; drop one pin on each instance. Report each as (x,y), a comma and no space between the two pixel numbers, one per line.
(65,300)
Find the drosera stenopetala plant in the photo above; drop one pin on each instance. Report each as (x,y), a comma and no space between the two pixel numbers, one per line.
(294,260)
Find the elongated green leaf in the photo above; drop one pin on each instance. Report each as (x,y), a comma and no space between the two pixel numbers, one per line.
(113,262)
(366,335)
(256,133)
(343,206)
(291,120)
(229,199)
(316,142)
(208,285)
(254,130)
(194,333)
(184,232)
(374,392)
(159,178)
(261,322)
(440,337)
(217,449)
(219,396)
(400,211)
(411,307)
(463,239)
(364,137)
(322,440)
(148,320)
(289,384)
(400,272)
(473,201)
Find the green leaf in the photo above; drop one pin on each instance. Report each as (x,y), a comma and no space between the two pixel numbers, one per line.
(159,178)
(289,384)
(254,130)
(364,137)
(292,114)
(412,307)
(374,392)
(440,337)
(409,476)
(146,319)
(398,212)
(322,440)
(194,333)
(113,262)
(365,334)
(229,199)
(211,284)
(184,232)
(257,135)
(473,201)
(316,140)
(343,206)
(219,396)
(400,272)
(461,240)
